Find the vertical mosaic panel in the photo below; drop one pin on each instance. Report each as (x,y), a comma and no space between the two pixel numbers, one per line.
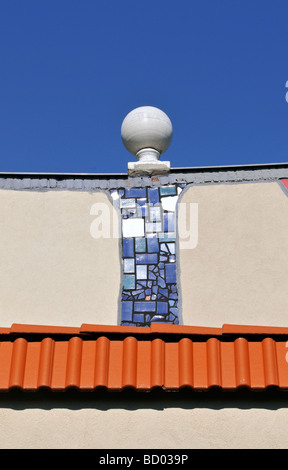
(148,217)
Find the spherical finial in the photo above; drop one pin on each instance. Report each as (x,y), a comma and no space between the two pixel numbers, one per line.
(146,132)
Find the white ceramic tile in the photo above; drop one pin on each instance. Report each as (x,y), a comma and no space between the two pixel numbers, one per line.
(129,265)
(169,203)
(133,227)
(141,271)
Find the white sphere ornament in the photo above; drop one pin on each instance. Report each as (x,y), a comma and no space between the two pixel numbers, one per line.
(146,133)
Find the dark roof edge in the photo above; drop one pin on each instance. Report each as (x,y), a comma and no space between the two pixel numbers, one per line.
(202,169)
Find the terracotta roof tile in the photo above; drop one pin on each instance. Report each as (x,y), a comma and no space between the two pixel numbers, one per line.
(119,357)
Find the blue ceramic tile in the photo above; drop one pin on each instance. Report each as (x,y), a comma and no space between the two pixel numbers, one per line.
(128,247)
(170,273)
(171,247)
(153,244)
(168,190)
(174,310)
(162,307)
(129,281)
(167,237)
(146,306)
(140,245)
(161,282)
(142,202)
(163,292)
(138,317)
(155,214)
(169,222)
(135,192)
(153,196)
(153,227)
(149,258)
(127,203)
(163,247)
(127,310)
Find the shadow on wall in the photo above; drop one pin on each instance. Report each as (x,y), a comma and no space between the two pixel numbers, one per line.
(156,400)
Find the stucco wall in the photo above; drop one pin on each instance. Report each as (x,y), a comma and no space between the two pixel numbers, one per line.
(238,272)
(53,270)
(167,422)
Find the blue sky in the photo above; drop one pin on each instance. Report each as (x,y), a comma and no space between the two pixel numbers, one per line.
(71,70)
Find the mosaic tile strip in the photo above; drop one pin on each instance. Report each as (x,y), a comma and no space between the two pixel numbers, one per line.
(148,217)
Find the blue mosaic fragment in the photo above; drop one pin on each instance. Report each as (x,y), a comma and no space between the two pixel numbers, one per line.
(153,244)
(150,258)
(135,192)
(151,276)
(163,292)
(142,202)
(138,317)
(171,247)
(146,306)
(127,310)
(162,307)
(167,237)
(140,245)
(163,247)
(170,271)
(173,296)
(128,247)
(155,214)
(141,211)
(161,282)
(129,281)
(142,283)
(174,310)
(169,222)
(168,190)
(153,196)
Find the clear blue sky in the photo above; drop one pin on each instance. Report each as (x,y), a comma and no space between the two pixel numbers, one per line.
(71,70)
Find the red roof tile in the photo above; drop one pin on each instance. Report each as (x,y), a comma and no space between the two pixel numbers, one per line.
(169,357)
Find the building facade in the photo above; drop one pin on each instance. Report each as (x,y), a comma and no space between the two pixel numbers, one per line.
(144,310)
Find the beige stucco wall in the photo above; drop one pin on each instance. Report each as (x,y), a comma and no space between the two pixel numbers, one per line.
(142,424)
(238,272)
(53,269)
